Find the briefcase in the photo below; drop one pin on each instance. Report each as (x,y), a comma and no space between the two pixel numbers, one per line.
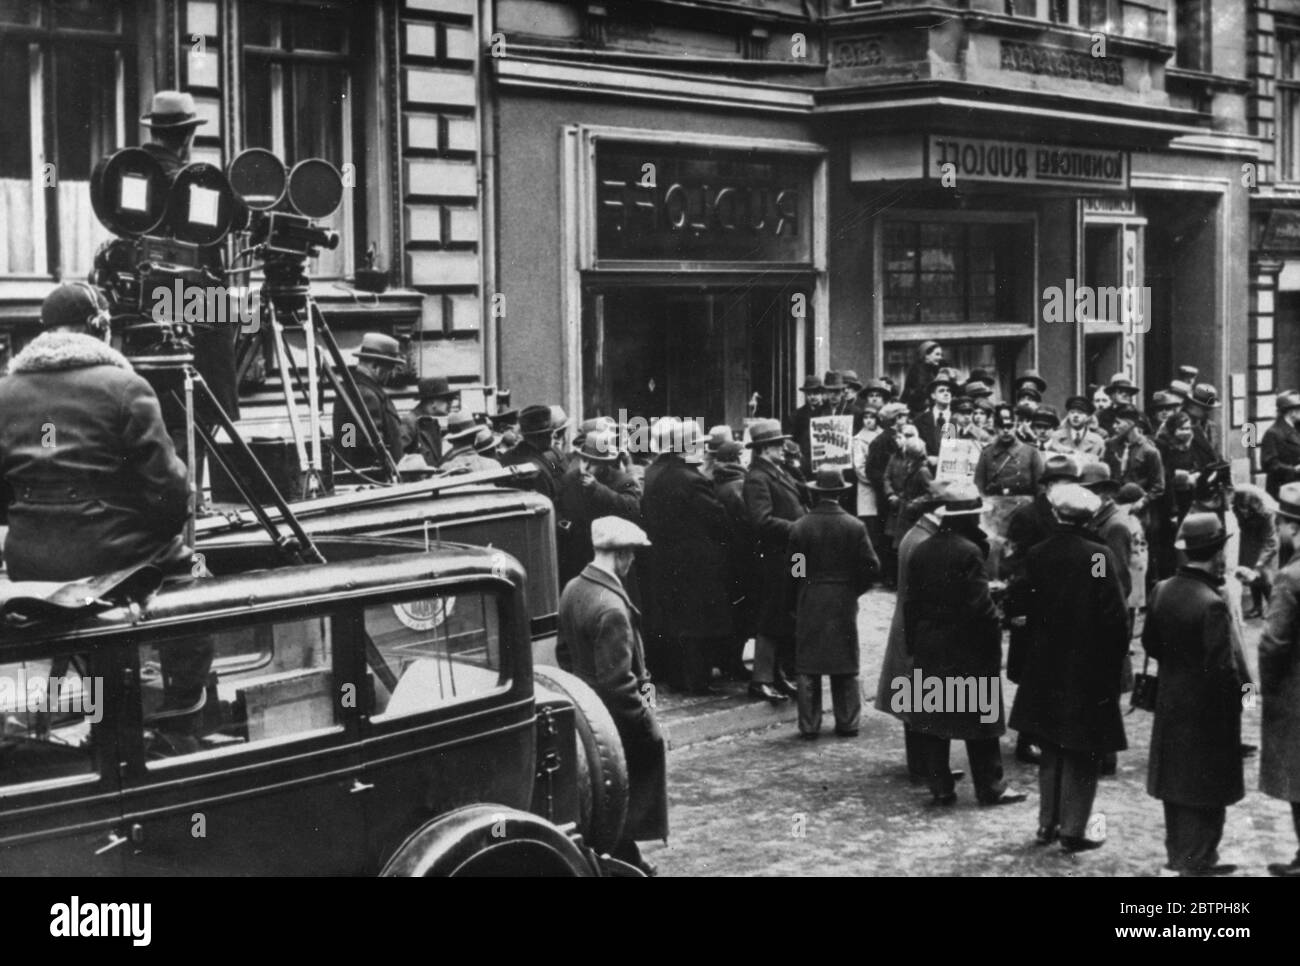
(1144,689)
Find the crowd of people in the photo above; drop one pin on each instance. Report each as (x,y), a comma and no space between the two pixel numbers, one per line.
(1113,518)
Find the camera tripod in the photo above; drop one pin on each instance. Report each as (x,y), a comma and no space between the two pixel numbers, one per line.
(286,305)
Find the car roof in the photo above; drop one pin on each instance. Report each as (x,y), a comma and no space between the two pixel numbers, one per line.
(209,598)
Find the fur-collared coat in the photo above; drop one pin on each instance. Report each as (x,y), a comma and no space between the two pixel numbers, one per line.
(90,479)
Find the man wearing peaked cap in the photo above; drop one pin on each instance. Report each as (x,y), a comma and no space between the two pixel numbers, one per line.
(1279,678)
(1077,628)
(1280,447)
(833,565)
(953,630)
(1075,438)
(595,485)
(1194,766)
(377,362)
(601,630)
(1008,466)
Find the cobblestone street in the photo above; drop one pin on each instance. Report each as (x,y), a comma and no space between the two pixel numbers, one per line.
(768,803)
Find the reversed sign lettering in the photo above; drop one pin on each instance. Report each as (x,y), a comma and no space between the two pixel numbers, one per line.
(978,159)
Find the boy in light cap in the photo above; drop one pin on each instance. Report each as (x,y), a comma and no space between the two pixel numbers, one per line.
(600,630)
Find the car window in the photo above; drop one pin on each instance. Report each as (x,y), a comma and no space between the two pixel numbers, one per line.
(434,651)
(47,708)
(217,692)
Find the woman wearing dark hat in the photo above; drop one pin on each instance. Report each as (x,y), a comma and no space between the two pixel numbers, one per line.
(1183,456)
(1195,759)
(832,566)
(916,385)
(880,451)
(908,484)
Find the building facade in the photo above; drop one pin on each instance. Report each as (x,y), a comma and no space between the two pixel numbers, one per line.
(681,208)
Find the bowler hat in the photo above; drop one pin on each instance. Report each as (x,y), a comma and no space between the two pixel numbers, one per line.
(535,419)
(1288,501)
(460,424)
(1287,399)
(1201,531)
(1096,476)
(829,479)
(615,533)
(485,440)
(1031,378)
(172,110)
(812,383)
(851,379)
(601,446)
(1205,396)
(765,432)
(961,498)
(435,387)
(1120,383)
(1080,402)
(380,348)
(1130,493)
(1059,466)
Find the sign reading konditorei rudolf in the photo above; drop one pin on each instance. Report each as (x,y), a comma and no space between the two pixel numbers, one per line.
(951,160)
(832,442)
(979,159)
(957,460)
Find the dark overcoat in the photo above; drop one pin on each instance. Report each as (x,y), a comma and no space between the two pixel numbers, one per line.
(897,662)
(775,503)
(422,435)
(1195,756)
(550,469)
(614,494)
(382,413)
(1027,526)
(729,485)
(1077,629)
(953,631)
(1279,453)
(837,567)
(601,630)
(89,479)
(687,527)
(1279,681)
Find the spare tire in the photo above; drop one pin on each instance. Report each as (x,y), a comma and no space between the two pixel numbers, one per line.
(602,766)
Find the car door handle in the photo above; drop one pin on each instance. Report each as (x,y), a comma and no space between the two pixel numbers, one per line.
(359,786)
(114,840)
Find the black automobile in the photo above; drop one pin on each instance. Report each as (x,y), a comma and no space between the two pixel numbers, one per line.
(375,714)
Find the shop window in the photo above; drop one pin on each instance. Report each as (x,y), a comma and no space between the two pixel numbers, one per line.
(65,107)
(953,272)
(1101,267)
(1192,34)
(1288,106)
(300,75)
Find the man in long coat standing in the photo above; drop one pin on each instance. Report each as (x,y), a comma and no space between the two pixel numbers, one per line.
(688,529)
(897,663)
(1279,678)
(1195,761)
(1077,632)
(774,503)
(832,565)
(953,632)
(601,629)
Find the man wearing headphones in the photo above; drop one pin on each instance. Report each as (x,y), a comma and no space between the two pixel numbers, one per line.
(89,479)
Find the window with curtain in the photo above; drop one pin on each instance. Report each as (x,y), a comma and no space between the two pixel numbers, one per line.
(1288,105)
(944,272)
(67,72)
(299,65)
